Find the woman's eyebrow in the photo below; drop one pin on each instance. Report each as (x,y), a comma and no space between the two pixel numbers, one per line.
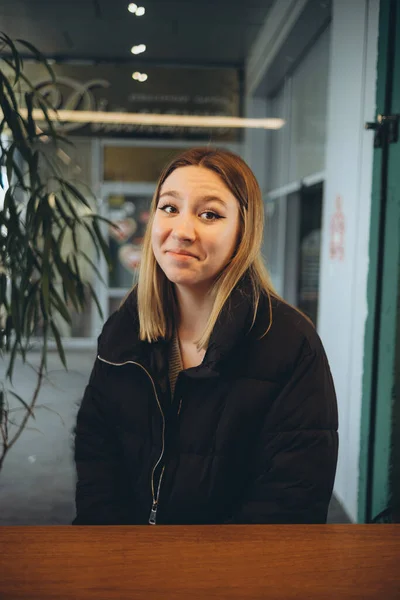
(172,193)
(213,198)
(176,195)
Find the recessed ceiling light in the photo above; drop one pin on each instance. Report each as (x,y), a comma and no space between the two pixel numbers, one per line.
(139,76)
(140,11)
(138,49)
(132,7)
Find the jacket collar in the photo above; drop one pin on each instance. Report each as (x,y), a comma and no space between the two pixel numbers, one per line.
(119,341)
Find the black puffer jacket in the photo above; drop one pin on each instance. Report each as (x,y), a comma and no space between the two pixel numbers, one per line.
(249,437)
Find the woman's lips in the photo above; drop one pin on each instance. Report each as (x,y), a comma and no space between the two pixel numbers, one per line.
(181,255)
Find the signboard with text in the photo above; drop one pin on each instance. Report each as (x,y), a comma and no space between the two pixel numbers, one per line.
(184,91)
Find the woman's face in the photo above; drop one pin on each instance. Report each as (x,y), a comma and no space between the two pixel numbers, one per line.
(196,227)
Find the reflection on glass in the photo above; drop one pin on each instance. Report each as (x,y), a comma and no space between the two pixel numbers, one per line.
(130,215)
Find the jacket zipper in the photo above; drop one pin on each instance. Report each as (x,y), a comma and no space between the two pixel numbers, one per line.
(153,512)
(154,507)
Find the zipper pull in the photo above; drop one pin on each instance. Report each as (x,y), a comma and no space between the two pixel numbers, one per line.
(153,514)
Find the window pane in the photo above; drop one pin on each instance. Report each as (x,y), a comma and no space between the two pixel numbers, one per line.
(276,174)
(309,112)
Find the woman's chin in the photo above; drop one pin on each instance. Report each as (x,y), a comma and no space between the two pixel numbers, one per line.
(183,278)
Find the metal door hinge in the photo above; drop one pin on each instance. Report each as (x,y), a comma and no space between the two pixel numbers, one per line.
(385,126)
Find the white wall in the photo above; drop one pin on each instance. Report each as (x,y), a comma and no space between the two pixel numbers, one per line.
(343,284)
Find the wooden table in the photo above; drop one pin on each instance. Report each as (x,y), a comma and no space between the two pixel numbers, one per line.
(189,563)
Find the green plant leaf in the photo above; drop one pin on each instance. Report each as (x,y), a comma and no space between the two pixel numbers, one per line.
(1,406)
(18,62)
(75,192)
(14,122)
(10,163)
(74,238)
(10,91)
(16,303)
(93,237)
(12,167)
(96,217)
(52,132)
(50,410)
(91,263)
(70,206)
(28,83)
(96,299)
(28,408)
(45,295)
(61,306)
(30,306)
(39,56)
(101,241)
(13,354)
(30,123)
(60,348)
(66,218)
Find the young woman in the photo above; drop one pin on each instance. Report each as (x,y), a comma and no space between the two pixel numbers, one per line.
(211,399)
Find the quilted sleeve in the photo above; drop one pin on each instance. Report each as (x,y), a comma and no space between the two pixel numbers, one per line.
(293,467)
(98,500)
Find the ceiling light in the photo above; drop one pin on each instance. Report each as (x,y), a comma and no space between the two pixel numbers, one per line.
(139,76)
(138,49)
(132,7)
(83,116)
(140,11)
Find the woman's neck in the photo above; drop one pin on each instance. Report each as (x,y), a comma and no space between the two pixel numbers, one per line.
(194,309)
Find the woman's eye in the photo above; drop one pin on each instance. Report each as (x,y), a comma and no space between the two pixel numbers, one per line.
(167,208)
(209,215)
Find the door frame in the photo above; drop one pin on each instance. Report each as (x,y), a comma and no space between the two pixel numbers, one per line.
(383,286)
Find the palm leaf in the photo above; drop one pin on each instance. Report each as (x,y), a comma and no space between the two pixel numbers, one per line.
(60,348)
(18,62)
(39,56)
(27,407)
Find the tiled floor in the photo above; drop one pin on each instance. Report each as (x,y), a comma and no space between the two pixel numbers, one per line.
(38,479)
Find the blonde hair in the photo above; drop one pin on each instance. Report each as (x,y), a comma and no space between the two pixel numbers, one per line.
(156,299)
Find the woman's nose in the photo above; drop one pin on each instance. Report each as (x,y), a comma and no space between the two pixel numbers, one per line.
(184,228)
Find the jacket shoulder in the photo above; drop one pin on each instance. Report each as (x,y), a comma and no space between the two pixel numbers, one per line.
(119,337)
(290,338)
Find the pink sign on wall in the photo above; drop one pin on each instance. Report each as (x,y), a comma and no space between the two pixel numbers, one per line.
(337,232)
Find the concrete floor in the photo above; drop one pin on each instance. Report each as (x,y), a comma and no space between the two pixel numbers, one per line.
(38,478)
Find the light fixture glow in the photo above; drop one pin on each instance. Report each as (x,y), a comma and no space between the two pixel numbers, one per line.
(138,49)
(132,7)
(143,77)
(88,116)
(136,75)
(140,11)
